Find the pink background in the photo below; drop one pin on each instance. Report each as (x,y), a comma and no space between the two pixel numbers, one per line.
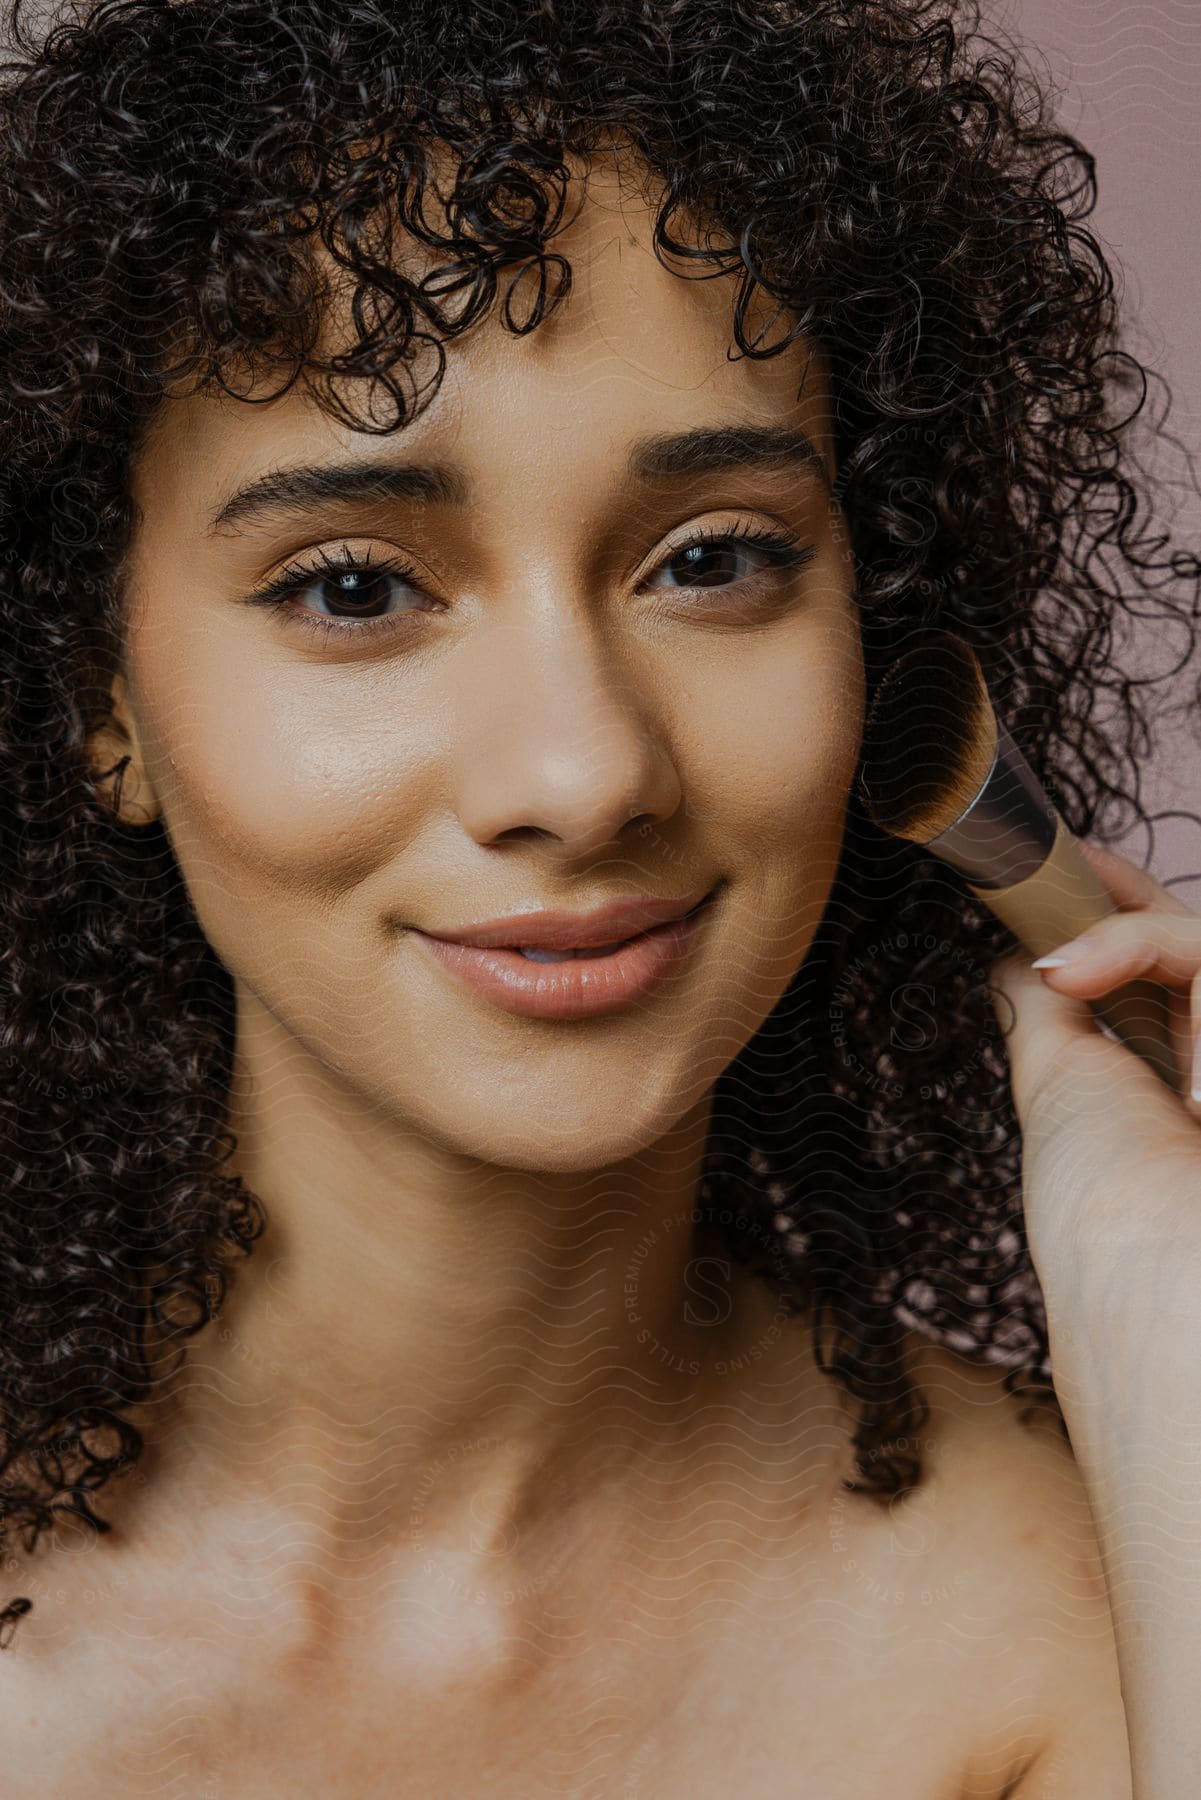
(1130,76)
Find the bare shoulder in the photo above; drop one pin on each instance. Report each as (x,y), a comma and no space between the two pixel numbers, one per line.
(1017,1528)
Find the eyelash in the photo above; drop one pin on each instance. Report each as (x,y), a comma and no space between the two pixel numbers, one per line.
(782,551)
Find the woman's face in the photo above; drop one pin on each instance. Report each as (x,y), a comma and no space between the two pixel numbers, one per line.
(559,703)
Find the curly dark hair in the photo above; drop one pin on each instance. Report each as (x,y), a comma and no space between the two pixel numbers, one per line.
(889,175)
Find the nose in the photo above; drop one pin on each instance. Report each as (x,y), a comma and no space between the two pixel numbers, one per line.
(564,738)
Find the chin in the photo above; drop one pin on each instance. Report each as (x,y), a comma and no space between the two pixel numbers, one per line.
(571,1143)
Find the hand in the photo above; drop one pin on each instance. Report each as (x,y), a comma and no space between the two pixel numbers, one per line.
(1111,1180)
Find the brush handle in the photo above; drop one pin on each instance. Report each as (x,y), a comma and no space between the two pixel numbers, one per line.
(1063,898)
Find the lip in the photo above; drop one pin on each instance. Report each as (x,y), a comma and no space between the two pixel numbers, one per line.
(581,987)
(573,931)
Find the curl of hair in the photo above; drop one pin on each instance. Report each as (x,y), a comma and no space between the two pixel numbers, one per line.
(178,179)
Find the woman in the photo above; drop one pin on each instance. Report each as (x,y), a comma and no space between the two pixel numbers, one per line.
(466,472)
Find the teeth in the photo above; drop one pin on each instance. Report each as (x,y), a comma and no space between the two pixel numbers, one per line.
(568,955)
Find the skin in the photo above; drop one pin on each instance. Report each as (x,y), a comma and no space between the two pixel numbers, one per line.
(439,1326)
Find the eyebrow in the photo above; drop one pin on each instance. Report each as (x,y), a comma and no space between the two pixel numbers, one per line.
(707,450)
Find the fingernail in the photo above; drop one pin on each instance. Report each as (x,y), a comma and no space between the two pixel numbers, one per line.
(1197,1068)
(1067,953)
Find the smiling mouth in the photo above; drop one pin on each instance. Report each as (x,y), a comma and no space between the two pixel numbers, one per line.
(627,970)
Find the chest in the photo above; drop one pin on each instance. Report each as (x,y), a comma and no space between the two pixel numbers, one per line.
(864,1691)
(382,1744)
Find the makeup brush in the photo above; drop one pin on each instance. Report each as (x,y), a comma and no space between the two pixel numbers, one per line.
(939,768)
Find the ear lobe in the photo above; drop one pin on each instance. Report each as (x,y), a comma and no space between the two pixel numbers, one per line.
(115,753)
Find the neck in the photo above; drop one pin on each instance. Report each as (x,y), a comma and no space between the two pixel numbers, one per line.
(439,1348)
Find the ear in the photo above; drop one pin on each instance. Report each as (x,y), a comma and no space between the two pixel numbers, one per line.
(115,753)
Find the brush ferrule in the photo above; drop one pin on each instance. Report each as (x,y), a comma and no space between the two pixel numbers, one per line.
(1006,834)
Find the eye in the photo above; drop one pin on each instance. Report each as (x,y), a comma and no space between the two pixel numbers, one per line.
(358,592)
(718,557)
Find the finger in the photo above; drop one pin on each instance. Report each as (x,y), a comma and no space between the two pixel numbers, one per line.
(1153,946)
(1163,947)
(1127,883)
(1066,1074)
(1094,1119)
(1038,1026)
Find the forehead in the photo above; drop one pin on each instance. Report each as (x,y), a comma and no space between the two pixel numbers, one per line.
(634,347)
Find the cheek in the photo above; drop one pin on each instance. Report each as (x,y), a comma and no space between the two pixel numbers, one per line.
(781,746)
(272,777)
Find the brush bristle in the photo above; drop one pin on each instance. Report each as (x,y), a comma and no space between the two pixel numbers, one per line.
(929,739)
